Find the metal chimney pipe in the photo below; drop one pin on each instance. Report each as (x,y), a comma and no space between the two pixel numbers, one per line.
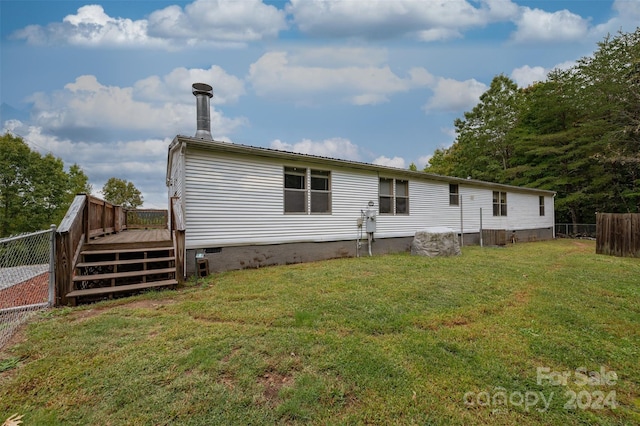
(203,93)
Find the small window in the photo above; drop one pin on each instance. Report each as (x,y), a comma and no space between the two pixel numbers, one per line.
(541,203)
(499,203)
(320,191)
(454,198)
(402,197)
(386,196)
(393,196)
(295,190)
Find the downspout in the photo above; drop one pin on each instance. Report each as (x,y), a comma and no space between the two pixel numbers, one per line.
(553,214)
(461,222)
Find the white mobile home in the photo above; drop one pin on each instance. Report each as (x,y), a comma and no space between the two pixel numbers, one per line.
(245,206)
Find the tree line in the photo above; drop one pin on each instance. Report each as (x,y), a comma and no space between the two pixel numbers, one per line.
(36,190)
(576,133)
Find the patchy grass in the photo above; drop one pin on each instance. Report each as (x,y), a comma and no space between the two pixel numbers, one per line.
(392,339)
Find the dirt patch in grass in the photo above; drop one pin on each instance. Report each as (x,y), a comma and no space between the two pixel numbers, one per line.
(272,382)
(85,312)
(149,304)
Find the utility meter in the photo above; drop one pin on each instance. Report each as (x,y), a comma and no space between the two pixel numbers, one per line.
(370,220)
(367,221)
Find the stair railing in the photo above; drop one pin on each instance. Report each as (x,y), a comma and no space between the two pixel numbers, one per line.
(86,218)
(179,239)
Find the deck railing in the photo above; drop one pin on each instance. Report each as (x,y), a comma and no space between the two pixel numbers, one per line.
(104,217)
(90,217)
(147,219)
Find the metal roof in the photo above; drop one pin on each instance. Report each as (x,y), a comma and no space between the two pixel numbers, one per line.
(230,147)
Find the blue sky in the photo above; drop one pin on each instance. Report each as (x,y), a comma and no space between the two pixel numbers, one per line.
(107,84)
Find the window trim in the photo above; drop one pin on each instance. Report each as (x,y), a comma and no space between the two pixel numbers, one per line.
(541,204)
(500,206)
(393,197)
(320,191)
(307,173)
(405,197)
(293,171)
(454,197)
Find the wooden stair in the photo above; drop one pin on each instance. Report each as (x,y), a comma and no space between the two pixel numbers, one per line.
(110,269)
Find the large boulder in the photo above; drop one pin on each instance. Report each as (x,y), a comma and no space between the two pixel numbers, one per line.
(436,241)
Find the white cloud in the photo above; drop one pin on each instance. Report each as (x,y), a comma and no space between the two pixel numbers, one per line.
(177,85)
(286,76)
(142,162)
(627,16)
(221,22)
(628,9)
(386,19)
(91,26)
(526,75)
(536,25)
(423,161)
(333,148)
(87,104)
(454,95)
(390,162)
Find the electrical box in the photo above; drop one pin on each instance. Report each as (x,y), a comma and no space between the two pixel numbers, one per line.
(370,220)
(371,223)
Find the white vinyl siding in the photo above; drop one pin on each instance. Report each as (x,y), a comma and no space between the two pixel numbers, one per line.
(233,199)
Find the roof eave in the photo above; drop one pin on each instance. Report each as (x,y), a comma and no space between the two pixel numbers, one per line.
(315,159)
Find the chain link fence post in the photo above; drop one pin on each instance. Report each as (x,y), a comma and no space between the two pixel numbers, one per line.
(27,278)
(52,266)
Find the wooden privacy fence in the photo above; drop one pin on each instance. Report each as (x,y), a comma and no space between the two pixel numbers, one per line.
(618,234)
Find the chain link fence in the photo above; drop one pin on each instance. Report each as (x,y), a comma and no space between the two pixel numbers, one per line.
(575,230)
(26,278)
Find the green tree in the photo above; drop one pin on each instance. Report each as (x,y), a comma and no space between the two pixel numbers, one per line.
(33,188)
(577,133)
(122,193)
(78,183)
(442,162)
(484,145)
(413,167)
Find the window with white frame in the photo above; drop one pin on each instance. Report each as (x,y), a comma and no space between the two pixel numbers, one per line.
(454,194)
(320,191)
(307,190)
(499,203)
(295,190)
(393,196)
(541,204)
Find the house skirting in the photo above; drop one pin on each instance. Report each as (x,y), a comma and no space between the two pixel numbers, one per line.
(257,256)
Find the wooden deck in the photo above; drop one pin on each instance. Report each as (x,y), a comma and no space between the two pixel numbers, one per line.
(134,236)
(103,249)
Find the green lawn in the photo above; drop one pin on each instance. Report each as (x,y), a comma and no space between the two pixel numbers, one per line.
(385,340)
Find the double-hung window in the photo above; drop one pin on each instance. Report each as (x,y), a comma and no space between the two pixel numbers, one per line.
(541,204)
(499,203)
(320,191)
(307,190)
(454,194)
(295,190)
(393,196)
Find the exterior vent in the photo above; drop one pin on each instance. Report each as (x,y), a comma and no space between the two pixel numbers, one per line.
(203,93)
